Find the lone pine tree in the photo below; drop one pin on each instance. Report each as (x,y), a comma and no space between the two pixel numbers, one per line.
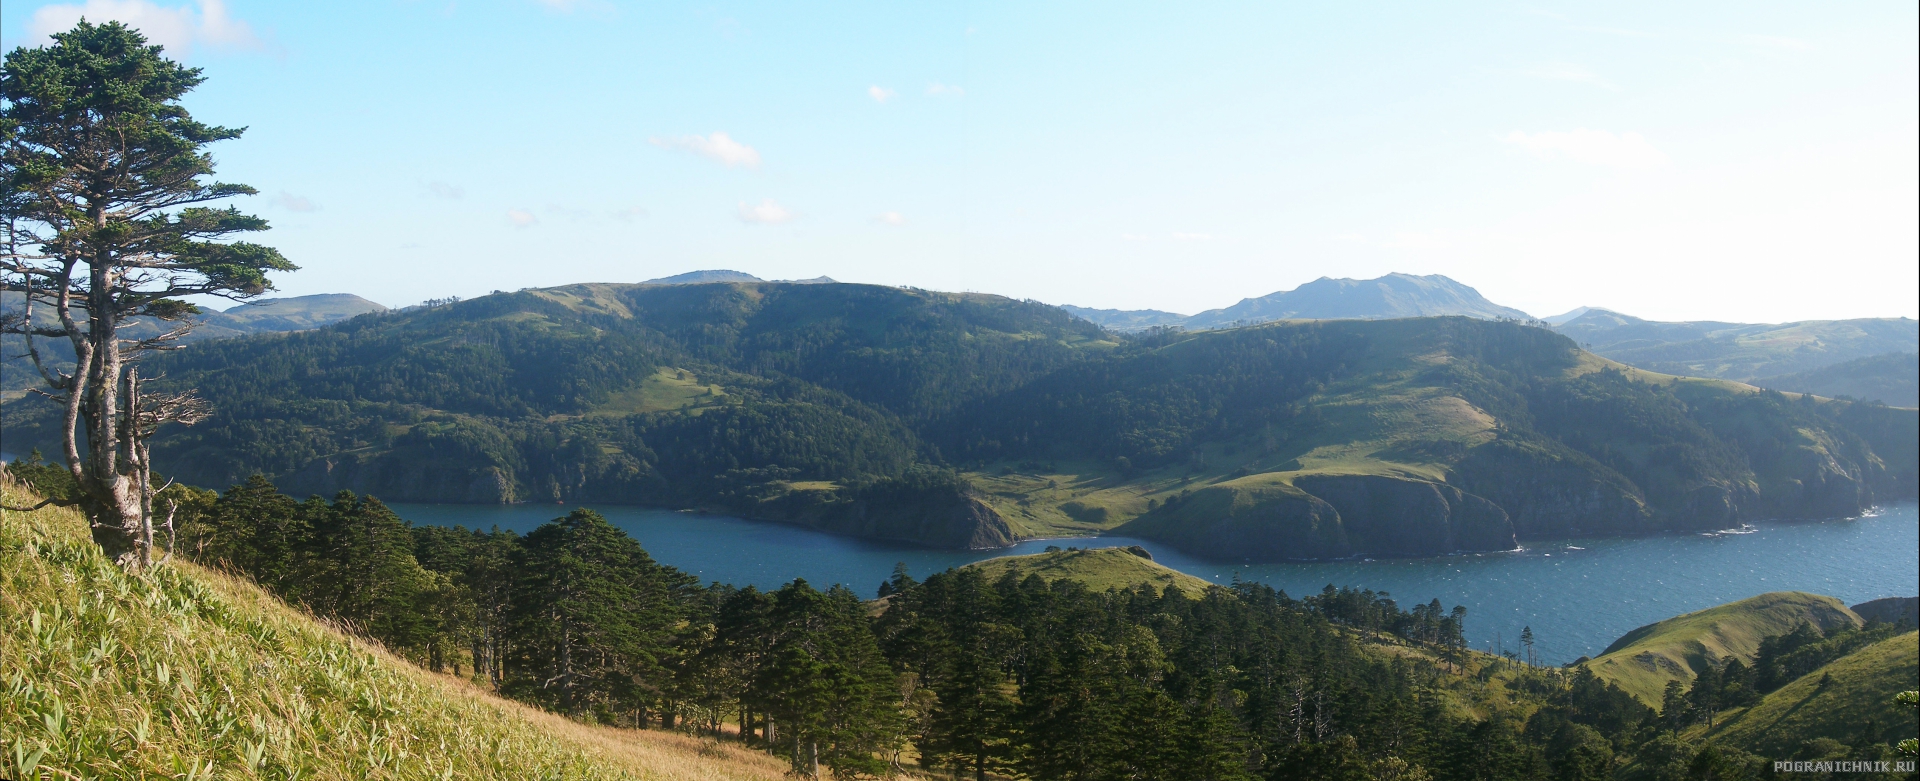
(102,219)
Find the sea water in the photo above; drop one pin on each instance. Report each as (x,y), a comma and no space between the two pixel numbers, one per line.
(1576,595)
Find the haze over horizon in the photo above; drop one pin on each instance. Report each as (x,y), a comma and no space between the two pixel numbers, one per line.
(1746,162)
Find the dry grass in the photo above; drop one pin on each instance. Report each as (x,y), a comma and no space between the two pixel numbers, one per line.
(186,673)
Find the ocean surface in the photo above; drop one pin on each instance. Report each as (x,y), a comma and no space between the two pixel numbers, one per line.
(1576,595)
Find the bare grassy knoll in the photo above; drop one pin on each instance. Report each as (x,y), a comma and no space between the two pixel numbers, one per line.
(1644,660)
(188,673)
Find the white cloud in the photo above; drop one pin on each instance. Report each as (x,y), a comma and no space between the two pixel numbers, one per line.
(1594,147)
(630,213)
(521,218)
(450,192)
(879,94)
(936,88)
(1573,73)
(890,218)
(295,203)
(178,28)
(719,147)
(767,213)
(1193,237)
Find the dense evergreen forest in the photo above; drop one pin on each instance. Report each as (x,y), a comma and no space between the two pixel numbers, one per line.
(878,411)
(982,678)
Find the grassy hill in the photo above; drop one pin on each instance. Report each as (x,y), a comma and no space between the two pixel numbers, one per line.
(189,673)
(1642,661)
(1739,351)
(1892,378)
(1100,568)
(1836,702)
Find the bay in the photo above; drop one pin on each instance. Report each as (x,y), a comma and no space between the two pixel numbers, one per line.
(1576,595)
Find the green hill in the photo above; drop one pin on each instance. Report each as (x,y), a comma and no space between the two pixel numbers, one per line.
(1837,702)
(190,673)
(1099,568)
(971,421)
(1642,661)
(1739,351)
(1893,378)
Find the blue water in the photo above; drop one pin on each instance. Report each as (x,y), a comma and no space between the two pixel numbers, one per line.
(1577,595)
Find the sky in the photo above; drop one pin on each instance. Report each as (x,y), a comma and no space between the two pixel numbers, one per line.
(1739,161)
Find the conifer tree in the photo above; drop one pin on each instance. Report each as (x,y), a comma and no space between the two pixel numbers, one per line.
(593,618)
(102,219)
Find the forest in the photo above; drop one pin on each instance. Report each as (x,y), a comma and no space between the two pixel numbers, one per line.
(802,402)
(960,674)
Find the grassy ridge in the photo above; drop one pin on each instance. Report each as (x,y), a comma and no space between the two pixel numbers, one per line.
(1858,692)
(1644,660)
(189,673)
(1100,570)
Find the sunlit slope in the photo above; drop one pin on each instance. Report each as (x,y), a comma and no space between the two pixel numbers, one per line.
(190,673)
(1838,701)
(1100,569)
(1644,660)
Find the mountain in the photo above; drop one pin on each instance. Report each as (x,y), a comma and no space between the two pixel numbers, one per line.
(1391,296)
(724,275)
(1888,379)
(1126,320)
(1642,661)
(972,421)
(1566,316)
(125,675)
(1739,351)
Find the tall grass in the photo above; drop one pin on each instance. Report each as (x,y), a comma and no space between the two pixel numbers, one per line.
(181,672)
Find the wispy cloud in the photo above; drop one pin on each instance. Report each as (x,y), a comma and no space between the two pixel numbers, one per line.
(630,213)
(890,218)
(1193,237)
(451,192)
(178,28)
(937,89)
(879,94)
(767,213)
(521,218)
(719,147)
(1573,73)
(1594,147)
(295,203)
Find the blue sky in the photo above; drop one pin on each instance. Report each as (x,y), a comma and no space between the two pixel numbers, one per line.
(1736,161)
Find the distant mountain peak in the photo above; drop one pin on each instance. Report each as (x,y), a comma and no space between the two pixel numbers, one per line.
(1394,295)
(705,276)
(727,275)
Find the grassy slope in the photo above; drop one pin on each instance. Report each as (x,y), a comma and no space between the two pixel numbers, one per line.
(191,673)
(1860,689)
(1645,659)
(1101,569)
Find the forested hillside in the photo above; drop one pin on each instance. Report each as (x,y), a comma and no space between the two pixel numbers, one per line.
(1007,668)
(973,420)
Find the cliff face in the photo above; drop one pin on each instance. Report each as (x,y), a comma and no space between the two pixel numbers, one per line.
(1268,518)
(1394,516)
(940,517)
